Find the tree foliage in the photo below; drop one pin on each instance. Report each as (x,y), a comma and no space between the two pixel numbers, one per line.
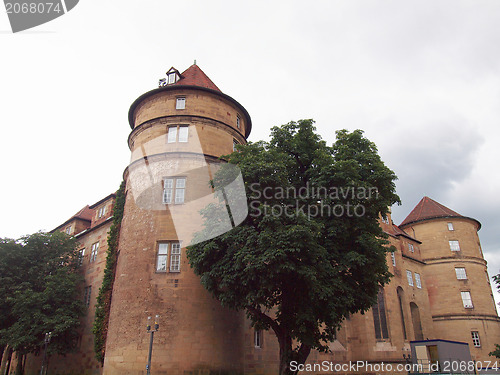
(39,291)
(311,250)
(103,305)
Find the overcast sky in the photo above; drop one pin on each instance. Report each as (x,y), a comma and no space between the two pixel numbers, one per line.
(421,78)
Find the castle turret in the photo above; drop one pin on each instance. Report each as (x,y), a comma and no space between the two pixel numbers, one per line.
(460,295)
(179,131)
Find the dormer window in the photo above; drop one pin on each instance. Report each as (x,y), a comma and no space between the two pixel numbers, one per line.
(172,76)
(101,212)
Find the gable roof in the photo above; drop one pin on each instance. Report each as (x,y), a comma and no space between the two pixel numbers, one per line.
(194,76)
(84,214)
(428,209)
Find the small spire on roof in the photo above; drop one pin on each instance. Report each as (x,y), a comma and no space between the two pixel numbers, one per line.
(194,61)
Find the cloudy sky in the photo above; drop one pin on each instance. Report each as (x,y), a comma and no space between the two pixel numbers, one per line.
(421,78)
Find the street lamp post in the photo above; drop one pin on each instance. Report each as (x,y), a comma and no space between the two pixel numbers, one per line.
(152,331)
(46,341)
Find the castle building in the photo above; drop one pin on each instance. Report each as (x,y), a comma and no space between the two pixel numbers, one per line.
(440,289)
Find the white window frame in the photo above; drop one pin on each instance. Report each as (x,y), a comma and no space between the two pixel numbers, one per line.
(162,257)
(393,258)
(411,247)
(183,133)
(476,341)
(102,212)
(80,256)
(461,273)
(93,252)
(175,257)
(174,189)
(171,78)
(238,121)
(418,281)
(454,245)
(257,338)
(178,134)
(450,226)
(467,300)
(180,103)
(409,277)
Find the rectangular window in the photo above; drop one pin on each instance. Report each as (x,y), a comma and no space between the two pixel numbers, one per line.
(411,248)
(450,226)
(257,338)
(418,282)
(454,246)
(234,145)
(379,317)
(172,134)
(161,258)
(393,258)
(68,230)
(183,134)
(180,103)
(180,189)
(175,257)
(168,188)
(409,276)
(80,256)
(86,297)
(177,134)
(174,187)
(475,339)
(467,300)
(238,121)
(101,212)
(461,274)
(93,252)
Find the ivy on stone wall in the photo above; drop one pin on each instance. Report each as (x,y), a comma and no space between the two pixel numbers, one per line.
(100,329)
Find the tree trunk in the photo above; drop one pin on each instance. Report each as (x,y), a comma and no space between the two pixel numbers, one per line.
(7,360)
(4,359)
(19,363)
(287,355)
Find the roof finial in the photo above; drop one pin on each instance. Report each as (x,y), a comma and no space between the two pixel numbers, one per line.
(194,61)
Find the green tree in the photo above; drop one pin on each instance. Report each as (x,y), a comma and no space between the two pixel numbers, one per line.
(311,250)
(39,288)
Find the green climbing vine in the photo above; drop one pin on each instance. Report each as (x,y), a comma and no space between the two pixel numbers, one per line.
(103,305)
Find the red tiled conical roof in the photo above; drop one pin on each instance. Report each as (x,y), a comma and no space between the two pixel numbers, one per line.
(429,209)
(194,76)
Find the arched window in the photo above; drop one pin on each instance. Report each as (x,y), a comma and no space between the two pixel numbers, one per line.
(379,317)
(417,325)
(401,310)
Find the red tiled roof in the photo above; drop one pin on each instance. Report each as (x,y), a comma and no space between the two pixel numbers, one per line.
(428,209)
(85,214)
(194,76)
(394,230)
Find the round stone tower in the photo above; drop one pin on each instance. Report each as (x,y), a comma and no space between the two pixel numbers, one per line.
(179,131)
(460,294)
